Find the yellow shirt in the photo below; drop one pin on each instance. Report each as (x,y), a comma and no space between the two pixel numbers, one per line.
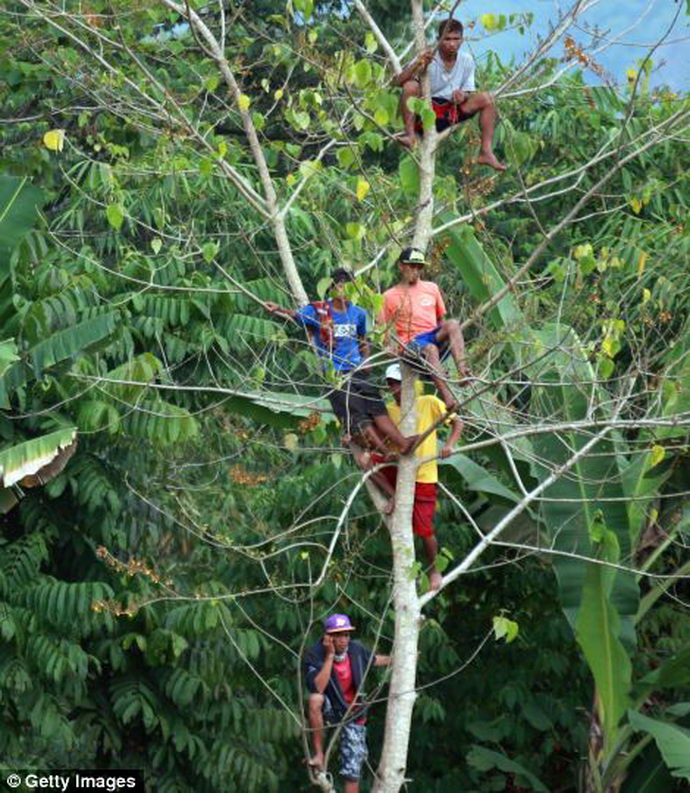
(429,411)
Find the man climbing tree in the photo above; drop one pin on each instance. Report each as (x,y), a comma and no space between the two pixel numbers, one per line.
(416,310)
(335,668)
(338,329)
(430,411)
(453,96)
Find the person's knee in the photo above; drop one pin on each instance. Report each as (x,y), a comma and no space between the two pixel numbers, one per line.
(315,703)
(451,326)
(485,100)
(411,88)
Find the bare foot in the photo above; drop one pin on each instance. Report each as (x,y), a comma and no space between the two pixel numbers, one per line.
(363,460)
(489,158)
(435,580)
(408,141)
(316,761)
(389,509)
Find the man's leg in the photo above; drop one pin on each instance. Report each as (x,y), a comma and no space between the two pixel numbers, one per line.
(431,551)
(410,88)
(433,359)
(316,725)
(423,512)
(451,333)
(353,753)
(384,423)
(484,105)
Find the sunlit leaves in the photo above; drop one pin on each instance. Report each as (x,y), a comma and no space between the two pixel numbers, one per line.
(54,139)
(505,628)
(115,215)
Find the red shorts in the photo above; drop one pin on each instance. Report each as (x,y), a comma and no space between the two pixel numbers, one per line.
(424,499)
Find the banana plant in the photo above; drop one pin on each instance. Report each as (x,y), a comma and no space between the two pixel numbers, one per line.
(33,461)
(593,518)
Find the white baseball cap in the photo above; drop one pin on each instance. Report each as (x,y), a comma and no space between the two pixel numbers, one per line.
(393,372)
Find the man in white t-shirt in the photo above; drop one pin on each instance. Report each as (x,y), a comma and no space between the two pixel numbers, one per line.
(453,94)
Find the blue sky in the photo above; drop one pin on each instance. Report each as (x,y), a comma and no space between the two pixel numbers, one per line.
(642,23)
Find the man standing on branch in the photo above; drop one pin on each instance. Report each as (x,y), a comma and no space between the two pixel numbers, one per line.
(338,329)
(334,670)
(415,309)
(453,96)
(430,410)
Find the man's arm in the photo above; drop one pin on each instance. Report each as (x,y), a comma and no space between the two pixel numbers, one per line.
(417,67)
(324,675)
(279,311)
(453,438)
(364,346)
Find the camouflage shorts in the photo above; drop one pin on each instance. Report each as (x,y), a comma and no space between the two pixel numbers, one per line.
(353,750)
(353,745)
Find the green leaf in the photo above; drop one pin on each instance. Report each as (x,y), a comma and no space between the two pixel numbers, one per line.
(597,630)
(505,628)
(409,175)
(484,759)
(672,741)
(19,203)
(70,342)
(8,354)
(33,457)
(480,275)
(209,250)
(346,157)
(477,477)
(115,215)
(362,73)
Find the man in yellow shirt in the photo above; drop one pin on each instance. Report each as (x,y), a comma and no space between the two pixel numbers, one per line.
(430,410)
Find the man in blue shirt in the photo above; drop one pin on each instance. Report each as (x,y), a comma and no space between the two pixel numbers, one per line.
(338,329)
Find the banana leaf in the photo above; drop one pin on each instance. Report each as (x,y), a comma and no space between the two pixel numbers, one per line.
(24,461)
(19,202)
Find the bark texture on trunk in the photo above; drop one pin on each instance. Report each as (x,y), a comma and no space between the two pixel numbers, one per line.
(402,694)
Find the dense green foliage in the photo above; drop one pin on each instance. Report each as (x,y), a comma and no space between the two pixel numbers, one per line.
(154,595)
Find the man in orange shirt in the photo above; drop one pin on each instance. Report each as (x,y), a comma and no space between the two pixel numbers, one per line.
(416,310)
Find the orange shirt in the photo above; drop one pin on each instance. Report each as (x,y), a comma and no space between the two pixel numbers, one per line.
(413,309)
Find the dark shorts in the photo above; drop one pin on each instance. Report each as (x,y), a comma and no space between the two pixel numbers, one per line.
(413,351)
(424,500)
(353,744)
(357,403)
(447,114)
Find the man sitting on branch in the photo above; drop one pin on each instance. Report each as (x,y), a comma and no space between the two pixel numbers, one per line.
(339,333)
(335,669)
(453,96)
(415,310)
(430,412)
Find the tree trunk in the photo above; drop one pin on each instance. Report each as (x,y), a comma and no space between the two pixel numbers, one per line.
(402,694)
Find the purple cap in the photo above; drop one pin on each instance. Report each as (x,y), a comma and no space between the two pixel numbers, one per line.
(337,623)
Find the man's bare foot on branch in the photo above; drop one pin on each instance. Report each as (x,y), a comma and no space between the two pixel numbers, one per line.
(389,507)
(406,140)
(362,459)
(435,580)
(316,762)
(489,158)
